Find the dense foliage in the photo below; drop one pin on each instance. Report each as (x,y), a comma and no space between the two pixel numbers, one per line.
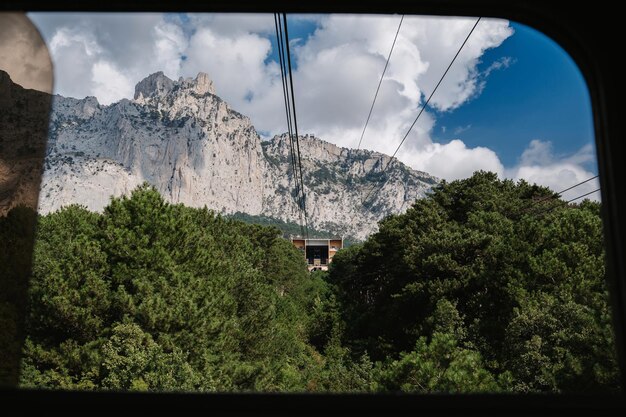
(288,229)
(484,286)
(150,295)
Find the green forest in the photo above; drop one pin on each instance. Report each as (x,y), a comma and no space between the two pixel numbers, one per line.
(288,229)
(483,286)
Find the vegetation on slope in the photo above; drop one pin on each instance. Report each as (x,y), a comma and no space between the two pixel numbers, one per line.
(154,296)
(483,284)
(477,288)
(288,229)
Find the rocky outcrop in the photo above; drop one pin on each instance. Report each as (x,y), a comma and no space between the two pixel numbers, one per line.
(196,150)
(156,84)
(347,193)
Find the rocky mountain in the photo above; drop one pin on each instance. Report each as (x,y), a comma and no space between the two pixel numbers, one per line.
(195,149)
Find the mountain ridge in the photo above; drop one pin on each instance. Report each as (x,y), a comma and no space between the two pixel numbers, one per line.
(195,149)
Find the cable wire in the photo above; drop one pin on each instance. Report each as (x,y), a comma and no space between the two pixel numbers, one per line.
(279,39)
(369,115)
(566,202)
(391,160)
(556,195)
(436,87)
(295,124)
(567,189)
(281,56)
(584,195)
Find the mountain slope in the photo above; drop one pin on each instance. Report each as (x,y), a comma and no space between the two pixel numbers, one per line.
(186,141)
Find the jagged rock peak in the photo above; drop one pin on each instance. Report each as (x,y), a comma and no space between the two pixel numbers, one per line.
(158,84)
(152,85)
(187,142)
(203,84)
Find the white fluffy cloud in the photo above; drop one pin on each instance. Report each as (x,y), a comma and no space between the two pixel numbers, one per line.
(236,63)
(338,65)
(108,82)
(169,43)
(538,164)
(454,160)
(337,68)
(106,55)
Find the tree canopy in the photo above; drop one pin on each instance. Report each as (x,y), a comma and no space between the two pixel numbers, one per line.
(483,286)
(501,281)
(150,295)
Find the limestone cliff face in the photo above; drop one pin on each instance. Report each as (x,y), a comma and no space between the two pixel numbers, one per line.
(180,137)
(337,182)
(187,142)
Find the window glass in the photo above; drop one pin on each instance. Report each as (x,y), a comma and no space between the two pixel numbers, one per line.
(307,203)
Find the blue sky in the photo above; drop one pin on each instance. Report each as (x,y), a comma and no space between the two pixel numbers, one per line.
(299,31)
(513,103)
(541,95)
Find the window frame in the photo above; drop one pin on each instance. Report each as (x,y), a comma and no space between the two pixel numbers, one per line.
(568,26)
